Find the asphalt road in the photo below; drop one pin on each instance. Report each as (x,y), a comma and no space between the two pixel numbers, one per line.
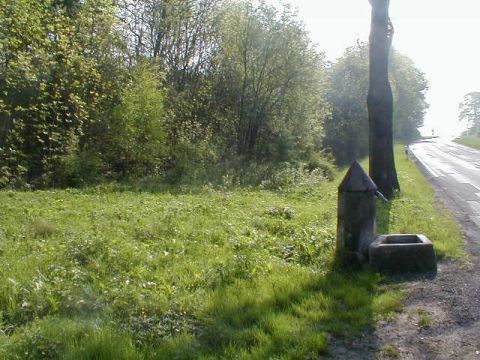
(455,170)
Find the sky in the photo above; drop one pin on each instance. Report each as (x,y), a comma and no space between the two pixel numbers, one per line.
(440,36)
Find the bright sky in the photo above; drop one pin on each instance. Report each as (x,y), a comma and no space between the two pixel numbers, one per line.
(440,36)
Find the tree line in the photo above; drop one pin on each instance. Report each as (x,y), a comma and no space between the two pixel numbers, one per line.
(179,89)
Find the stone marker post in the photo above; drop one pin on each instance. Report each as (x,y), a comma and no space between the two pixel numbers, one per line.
(356,215)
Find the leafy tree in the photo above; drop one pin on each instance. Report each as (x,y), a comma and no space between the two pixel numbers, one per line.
(182,36)
(21,31)
(269,79)
(470,112)
(409,90)
(346,130)
(137,133)
(55,58)
(231,81)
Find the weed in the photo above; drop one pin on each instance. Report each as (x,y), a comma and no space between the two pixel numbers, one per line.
(285,213)
(387,304)
(425,320)
(42,228)
(421,311)
(391,351)
(184,273)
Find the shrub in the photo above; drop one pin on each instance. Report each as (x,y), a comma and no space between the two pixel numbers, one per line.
(79,169)
(290,175)
(191,164)
(138,135)
(323,162)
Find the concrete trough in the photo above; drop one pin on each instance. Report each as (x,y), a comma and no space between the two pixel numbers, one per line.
(402,253)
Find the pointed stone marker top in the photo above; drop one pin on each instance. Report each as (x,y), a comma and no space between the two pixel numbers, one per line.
(357,180)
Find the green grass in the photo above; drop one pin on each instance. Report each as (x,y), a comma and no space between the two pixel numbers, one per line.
(417,211)
(425,321)
(390,351)
(112,273)
(471,141)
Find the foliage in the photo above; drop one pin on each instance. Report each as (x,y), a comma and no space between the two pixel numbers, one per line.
(470,113)
(190,91)
(270,78)
(288,176)
(322,162)
(54,68)
(146,87)
(228,95)
(191,167)
(79,168)
(191,164)
(182,38)
(137,132)
(409,87)
(346,130)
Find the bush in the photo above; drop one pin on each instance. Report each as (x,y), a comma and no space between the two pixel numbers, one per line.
(191,164)
(78,169)
(290,175)
(324,163)
(138,139)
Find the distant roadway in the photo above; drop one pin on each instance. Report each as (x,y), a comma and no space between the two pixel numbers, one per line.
(455,170)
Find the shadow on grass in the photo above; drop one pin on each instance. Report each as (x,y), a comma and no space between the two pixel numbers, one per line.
(294,315)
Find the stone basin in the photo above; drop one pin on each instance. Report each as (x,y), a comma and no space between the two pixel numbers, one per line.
(402,253)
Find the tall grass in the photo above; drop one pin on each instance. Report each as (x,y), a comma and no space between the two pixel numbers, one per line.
(117,273)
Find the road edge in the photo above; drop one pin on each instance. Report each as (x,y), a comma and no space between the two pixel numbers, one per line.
(470,231)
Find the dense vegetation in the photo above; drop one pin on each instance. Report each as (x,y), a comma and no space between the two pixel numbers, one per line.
(184,90)
(117,273)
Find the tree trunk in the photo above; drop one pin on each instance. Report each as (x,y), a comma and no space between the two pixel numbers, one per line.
(380,102)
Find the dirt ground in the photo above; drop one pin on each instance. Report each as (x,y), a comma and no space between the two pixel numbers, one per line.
(441,316)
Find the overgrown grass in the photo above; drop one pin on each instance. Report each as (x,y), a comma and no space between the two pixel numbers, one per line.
(472,141)
(217,273)
(417,211)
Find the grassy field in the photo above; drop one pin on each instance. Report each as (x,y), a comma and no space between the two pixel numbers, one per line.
(472,141)
(216,273)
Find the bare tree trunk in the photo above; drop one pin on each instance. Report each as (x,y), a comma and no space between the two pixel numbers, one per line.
(380,102)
